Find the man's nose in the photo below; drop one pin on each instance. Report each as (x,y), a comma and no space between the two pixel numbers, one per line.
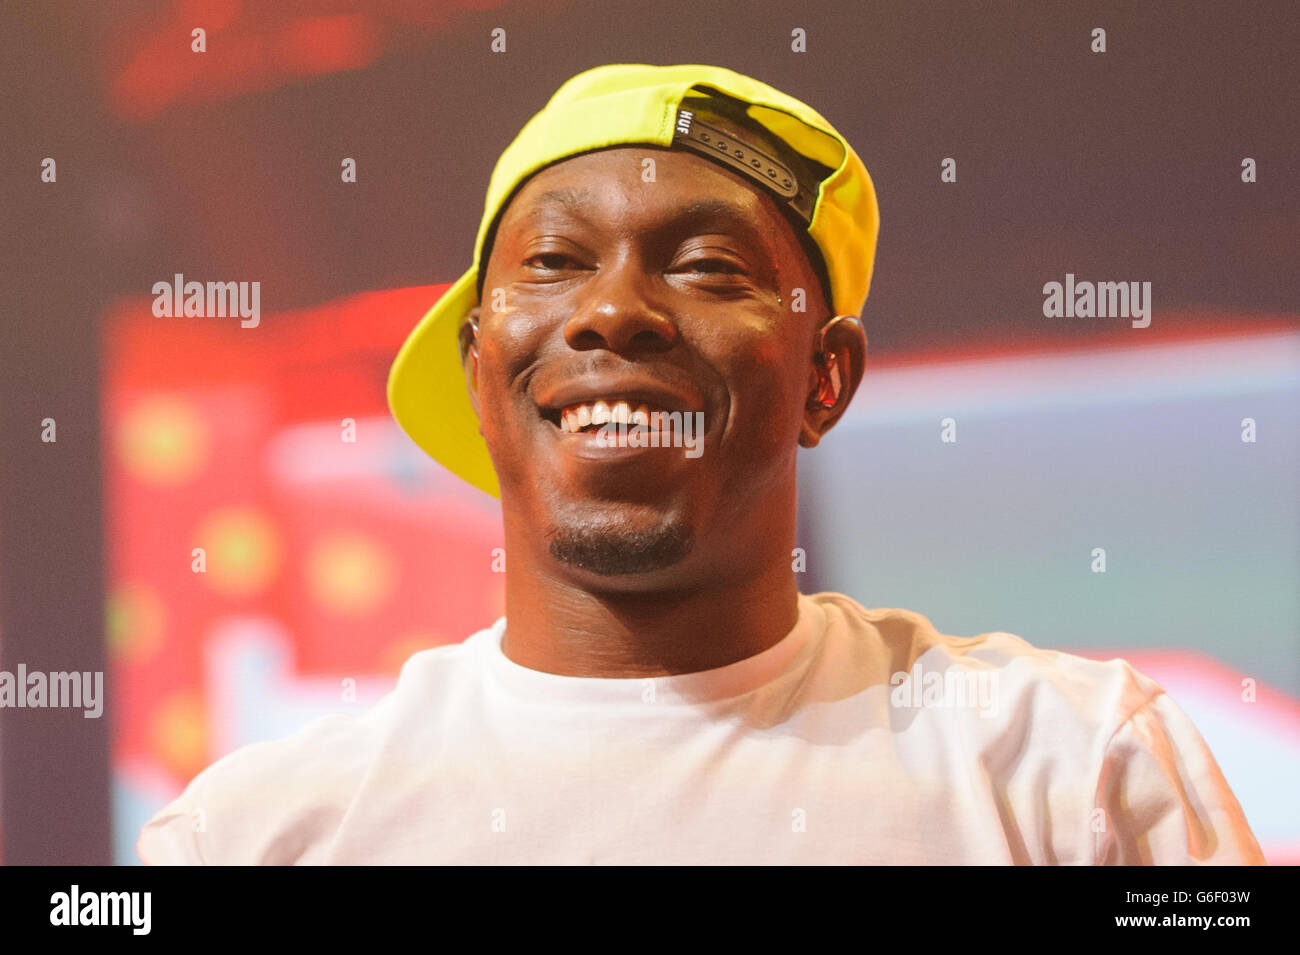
(616,311)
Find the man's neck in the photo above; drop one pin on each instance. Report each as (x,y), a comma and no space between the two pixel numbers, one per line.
(558,626)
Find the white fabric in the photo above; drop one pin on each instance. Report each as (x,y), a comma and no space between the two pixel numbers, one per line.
(804,753)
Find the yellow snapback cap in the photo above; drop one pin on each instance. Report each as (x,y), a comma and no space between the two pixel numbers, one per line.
(617,105)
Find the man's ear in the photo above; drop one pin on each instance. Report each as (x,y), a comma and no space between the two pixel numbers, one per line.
(469,355)
(835,371)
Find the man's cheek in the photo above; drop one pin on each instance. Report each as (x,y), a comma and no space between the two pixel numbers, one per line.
(496,417)
(765,399)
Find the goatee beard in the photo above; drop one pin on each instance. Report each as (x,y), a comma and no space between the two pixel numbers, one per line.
(614,553)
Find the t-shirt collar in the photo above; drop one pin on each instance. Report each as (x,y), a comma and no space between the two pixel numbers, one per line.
(706,686)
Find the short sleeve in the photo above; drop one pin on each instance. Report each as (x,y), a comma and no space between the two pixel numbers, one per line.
(1165,799)
(275,802)
(169,838)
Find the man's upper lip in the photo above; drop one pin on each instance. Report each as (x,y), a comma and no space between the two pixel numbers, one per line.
(635,389)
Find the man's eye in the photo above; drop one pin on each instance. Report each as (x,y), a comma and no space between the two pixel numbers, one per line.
(713,266)
(548,261)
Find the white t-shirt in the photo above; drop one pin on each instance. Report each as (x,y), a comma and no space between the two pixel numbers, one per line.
(863,736)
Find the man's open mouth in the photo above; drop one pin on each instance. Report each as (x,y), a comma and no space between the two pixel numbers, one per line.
(589,416)
(634,410)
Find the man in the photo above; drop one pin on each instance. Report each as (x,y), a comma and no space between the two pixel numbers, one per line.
(662,309)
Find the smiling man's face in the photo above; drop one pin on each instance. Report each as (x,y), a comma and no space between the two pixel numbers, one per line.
(674,294)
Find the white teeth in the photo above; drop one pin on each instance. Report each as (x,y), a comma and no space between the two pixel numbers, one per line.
(576,417)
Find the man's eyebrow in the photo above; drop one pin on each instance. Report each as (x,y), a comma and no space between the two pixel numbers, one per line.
(717,212)
(573,200)
(698,212)
(694,216)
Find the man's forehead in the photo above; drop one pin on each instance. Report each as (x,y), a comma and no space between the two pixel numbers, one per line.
(693,192)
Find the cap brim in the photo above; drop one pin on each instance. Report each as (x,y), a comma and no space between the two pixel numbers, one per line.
(427,392)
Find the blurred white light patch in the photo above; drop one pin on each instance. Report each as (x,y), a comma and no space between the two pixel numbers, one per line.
(315,454)
(1120,375)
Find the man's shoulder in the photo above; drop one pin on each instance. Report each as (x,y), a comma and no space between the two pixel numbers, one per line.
(301,785)
(1026,677)
(343,743)
(295,784)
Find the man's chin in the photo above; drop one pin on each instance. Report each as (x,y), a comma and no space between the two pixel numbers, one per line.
(608,548)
